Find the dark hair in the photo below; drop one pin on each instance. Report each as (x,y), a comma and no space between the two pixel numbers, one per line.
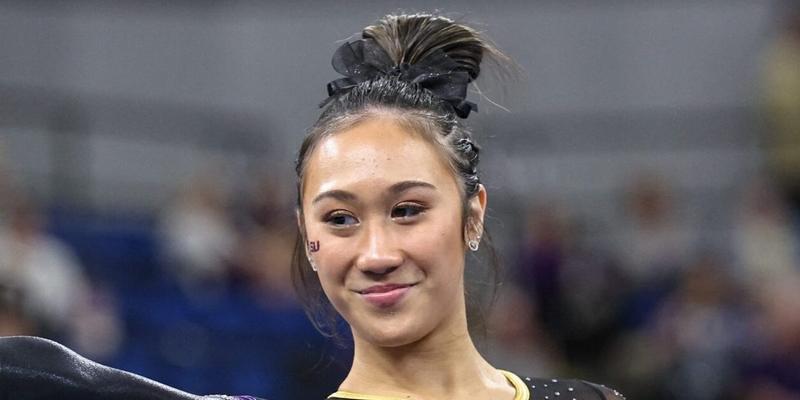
(407,40)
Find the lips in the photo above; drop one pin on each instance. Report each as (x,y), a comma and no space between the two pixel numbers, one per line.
(383,288)
(384,296)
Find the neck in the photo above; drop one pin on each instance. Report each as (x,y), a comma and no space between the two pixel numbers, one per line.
(444,364)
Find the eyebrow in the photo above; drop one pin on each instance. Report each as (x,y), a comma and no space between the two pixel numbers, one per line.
(397,188)
(341,195)
(401,187)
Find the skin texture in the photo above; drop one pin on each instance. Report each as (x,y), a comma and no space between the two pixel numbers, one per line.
(386,208)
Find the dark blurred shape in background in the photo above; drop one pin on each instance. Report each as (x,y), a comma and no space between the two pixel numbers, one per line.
(644,190)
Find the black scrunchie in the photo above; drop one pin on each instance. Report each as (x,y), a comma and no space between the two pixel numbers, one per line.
(364,60)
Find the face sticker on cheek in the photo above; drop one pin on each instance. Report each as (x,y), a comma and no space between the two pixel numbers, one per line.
(312,247)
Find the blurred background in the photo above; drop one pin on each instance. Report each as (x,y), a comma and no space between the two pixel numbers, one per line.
(644,188)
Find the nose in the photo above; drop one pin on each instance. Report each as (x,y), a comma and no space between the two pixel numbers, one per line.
(378,254)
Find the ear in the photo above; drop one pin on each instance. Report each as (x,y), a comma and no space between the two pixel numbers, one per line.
(476,212)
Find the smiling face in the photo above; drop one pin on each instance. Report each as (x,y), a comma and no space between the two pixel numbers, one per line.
(386,211)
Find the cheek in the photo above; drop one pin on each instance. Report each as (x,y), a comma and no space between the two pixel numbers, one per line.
(330,258)
(324,251)
(437,247)
(332,269)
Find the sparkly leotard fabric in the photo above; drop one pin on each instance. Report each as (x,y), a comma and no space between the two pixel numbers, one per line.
(569,389)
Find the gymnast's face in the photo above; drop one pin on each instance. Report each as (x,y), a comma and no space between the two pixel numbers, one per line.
(383,213)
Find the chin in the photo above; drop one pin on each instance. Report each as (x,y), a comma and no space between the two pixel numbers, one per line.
(390,340)
(389,333)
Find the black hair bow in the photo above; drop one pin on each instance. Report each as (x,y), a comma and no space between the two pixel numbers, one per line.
(364,60)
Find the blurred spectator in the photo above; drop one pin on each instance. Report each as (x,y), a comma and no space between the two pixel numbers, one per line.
(577,290)
(781,86)
(654,246)
(540,259)
(43,269)
(199,236)
(269,204)
(593,294)
(765,242)
(265,250)
(97,331)
(516,340)
(702,328)
(264,266)
(773,370)
(6,193)
(690,349)
(654,243)
(13,316)
(44,290)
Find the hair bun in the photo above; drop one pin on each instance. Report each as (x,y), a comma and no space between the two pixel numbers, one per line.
(409,39)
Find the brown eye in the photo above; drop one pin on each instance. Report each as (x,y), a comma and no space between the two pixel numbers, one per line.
(341,220)
(404,211)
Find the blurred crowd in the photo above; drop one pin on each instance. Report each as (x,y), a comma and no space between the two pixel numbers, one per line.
(654,309)
(651,307)
(43,287)
(204,283)
(655,306)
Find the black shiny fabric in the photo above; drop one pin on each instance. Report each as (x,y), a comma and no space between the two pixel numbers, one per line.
(38,369)
(363,60)
(555,389)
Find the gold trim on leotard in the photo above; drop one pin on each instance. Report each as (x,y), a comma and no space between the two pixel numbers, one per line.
(343,394)
(521,389)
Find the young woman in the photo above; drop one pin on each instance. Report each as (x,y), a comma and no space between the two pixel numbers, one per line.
(389,204)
